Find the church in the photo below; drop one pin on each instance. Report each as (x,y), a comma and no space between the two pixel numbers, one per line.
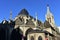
(26,27)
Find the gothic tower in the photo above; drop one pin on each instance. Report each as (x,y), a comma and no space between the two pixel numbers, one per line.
(49,16)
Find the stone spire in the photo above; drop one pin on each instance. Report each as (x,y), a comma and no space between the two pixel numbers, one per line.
(48,9)
(23,12)
(36,22)
(10,15)
(49,16)
(36,19)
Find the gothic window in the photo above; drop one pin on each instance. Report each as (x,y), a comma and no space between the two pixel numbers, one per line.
(49,19)
(32,38)
(39,38)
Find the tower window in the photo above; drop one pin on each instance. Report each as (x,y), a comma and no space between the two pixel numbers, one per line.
(49,19)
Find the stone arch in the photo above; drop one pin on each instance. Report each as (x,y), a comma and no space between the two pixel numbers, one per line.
(32,38)
(39,38)
(16,34)
(27,31)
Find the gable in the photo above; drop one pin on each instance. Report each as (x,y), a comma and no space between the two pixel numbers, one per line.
(19,21)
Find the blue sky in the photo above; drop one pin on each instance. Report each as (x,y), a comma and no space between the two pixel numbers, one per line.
(32,6)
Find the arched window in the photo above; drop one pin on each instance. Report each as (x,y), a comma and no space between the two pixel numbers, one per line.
(32,38)
(39,38)
(49,19)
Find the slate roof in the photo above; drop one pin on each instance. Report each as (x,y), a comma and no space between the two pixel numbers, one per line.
(23,12)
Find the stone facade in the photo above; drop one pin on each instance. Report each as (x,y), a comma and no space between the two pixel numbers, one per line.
(25,27)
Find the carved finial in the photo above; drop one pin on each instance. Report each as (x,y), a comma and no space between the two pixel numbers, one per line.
(10,14)
(36,16)
(36,19)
